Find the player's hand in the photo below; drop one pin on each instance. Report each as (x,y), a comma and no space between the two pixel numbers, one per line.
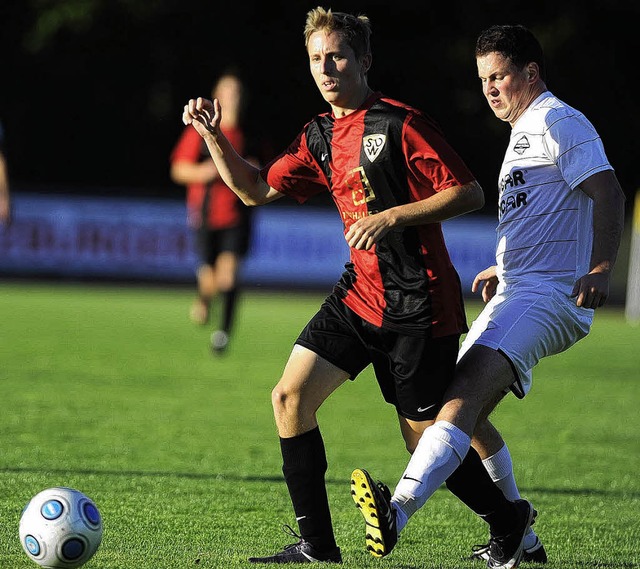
(204,115)
(364,232)
(591,290)
(489,279)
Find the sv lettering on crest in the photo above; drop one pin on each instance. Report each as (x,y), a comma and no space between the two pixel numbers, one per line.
(373,145)
(358,184)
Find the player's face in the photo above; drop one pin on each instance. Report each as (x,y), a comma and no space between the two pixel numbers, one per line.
(228,91)
(508,89)
(339,75)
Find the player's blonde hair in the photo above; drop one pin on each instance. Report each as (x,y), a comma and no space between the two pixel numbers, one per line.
(355,29)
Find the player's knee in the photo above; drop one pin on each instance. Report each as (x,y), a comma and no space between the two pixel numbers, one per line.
(284,401)
(206,281)
(226,282)
(278,398)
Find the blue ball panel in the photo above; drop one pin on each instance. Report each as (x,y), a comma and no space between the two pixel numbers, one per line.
(72,549)
(52,509)
(32,545)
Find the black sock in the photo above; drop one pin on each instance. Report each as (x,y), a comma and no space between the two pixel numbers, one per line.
(304,466)
(471,483)
(230,297)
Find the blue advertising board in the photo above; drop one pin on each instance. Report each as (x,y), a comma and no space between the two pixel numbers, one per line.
(119,238)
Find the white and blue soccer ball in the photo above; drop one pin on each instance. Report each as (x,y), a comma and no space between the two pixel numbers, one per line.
(60,528)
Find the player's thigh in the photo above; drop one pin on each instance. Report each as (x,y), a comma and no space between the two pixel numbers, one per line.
(327,352)
(307,381)
(482,376)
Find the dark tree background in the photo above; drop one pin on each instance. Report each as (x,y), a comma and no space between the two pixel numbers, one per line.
(92,90)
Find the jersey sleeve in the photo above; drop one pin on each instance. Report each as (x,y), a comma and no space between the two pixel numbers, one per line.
(574,145)
(295,172)
(187,149)
(433,162)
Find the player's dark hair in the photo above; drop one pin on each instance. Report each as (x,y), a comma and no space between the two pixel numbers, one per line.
(515,42)
(355,29)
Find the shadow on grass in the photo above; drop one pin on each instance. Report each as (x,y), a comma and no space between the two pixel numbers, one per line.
(278,478)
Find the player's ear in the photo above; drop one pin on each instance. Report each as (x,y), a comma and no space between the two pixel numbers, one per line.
(533,71)
(365,62)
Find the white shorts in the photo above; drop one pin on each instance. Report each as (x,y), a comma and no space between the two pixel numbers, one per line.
(527,323)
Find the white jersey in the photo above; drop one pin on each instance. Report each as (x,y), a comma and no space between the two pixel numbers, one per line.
(545,230)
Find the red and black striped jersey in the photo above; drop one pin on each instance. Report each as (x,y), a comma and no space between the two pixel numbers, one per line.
(382,155)
(213,204)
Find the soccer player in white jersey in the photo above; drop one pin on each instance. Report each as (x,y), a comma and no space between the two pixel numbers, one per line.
(561,213)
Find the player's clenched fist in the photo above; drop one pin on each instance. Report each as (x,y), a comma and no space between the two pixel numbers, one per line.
(204,115)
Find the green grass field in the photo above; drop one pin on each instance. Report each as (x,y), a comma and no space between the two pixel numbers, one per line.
(112,391)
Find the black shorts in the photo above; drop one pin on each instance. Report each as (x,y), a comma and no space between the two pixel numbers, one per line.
(212,242)
(413,372)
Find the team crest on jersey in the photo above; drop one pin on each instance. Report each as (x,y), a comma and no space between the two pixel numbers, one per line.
(373,145)
(521,145)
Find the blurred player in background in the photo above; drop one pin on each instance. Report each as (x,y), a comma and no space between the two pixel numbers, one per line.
(561,213)
(5,196)
(219,218)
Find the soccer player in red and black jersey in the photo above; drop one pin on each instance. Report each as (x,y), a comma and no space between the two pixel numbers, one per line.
(398,306)
(221,222)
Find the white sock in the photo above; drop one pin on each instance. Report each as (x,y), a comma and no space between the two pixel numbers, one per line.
(441,449)
(500,468)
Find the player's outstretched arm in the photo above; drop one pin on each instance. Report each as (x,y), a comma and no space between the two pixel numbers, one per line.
(592,290)
(240,175)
